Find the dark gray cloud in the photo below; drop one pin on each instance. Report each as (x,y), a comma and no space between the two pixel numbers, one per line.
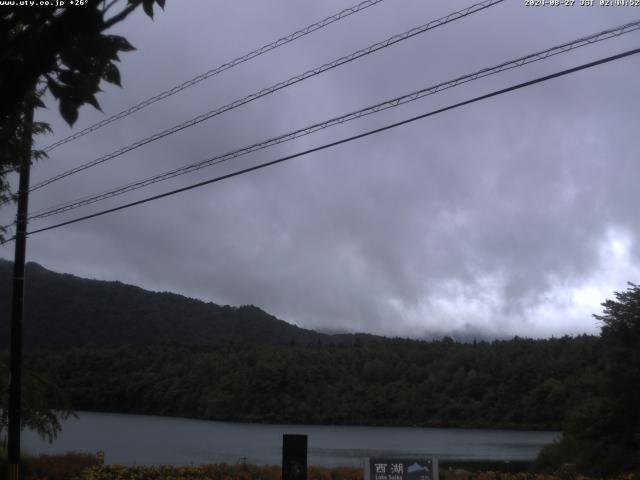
(515,215)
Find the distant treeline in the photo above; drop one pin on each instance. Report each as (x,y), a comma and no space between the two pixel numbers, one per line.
(519,383)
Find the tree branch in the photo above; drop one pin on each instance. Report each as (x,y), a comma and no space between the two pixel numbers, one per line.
(108,7)
(122,15)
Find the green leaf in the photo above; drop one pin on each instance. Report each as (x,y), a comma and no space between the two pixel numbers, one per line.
(147,5)
(41,127)
(75,58)
(69,111)
(54,87)
(68,77)
(39,154)
(37,103)
(92,100)
(111,74)
(95,50)
(121,43)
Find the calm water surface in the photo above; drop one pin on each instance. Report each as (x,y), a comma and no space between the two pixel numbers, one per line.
(149,440)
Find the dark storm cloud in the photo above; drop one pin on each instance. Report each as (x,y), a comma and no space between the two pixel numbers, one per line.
(514,215)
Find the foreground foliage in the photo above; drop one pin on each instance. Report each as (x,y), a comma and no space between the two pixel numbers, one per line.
(234,472)
(568,472)
(215,472)
(602,432)
(38,393)
(84,466)
(67,466)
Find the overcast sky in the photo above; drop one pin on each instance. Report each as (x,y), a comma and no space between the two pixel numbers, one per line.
(516,215)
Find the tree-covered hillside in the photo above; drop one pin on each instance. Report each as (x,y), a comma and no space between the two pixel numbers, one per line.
(65,311)
(511,384)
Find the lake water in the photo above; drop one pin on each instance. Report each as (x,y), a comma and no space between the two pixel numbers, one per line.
(149,440)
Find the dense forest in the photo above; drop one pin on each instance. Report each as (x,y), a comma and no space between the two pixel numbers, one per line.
(504,384)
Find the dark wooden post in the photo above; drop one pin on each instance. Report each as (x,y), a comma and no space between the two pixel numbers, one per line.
(17,301)
(294,457)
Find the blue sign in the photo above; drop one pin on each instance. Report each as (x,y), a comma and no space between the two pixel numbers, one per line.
(400,469)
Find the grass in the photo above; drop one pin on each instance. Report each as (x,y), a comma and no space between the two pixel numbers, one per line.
(486,465)
(67,466)
(84,466)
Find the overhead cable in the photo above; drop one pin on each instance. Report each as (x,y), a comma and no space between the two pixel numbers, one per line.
(410,97)
(278,86)
(219,69)
(339,142)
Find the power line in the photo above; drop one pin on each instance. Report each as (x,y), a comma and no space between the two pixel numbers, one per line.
(219,69)
(534,57)
(278,86)
(344,140)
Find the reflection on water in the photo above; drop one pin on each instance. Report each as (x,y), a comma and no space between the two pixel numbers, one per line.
(147,440)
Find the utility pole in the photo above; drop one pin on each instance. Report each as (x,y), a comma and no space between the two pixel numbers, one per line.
(17,300)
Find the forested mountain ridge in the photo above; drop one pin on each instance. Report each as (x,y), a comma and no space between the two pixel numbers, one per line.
(64,311)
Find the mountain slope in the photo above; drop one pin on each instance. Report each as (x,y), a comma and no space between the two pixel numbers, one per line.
(64,311)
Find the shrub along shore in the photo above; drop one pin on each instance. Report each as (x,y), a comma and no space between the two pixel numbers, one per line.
(85,466)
